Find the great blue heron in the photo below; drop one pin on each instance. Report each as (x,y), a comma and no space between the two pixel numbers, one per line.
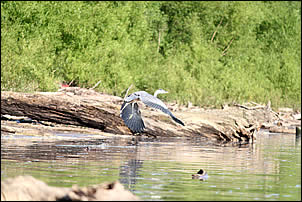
(131,114)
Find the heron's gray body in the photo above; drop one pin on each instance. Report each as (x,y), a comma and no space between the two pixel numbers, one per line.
(131,114)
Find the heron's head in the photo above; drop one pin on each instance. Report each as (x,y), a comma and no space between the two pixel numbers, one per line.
(132,97)
(159,91)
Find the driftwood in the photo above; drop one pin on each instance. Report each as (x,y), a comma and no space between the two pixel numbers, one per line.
(278,129)
(27,188)
(59,109)
(76,109)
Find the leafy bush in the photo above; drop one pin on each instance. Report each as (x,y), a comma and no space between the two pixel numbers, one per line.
(207,53)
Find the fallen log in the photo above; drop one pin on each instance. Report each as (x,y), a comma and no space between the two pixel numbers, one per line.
(90,111)
(54,109)
(280,129)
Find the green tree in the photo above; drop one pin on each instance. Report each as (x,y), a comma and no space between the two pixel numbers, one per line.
(207,52)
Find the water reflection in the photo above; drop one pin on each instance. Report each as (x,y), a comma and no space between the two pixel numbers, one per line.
(161,169)
(129,173)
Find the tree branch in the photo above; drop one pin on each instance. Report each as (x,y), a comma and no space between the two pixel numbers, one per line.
(96,84)
(158,41)
(216,30)
(224,51)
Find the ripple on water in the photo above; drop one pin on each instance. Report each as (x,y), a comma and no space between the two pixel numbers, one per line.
(161,169)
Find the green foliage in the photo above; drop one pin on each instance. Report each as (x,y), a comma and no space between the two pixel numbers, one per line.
(207,53)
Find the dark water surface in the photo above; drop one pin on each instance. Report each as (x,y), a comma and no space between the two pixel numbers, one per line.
(161,169)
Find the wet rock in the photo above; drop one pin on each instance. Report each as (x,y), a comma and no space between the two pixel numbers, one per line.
(298,131)
(27,188)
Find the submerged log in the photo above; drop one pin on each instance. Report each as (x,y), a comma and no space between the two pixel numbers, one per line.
(88,111)
(27,188)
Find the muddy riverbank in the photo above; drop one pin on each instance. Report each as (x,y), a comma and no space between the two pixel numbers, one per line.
(81,110)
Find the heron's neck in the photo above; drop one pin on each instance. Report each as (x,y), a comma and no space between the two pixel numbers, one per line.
(156,93)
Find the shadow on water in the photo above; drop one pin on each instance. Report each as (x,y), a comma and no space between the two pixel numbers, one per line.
(161,168)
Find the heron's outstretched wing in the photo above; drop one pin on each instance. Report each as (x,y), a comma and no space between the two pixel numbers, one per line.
(131,116)
(156,103)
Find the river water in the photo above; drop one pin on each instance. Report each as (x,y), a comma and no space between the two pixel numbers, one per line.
(161,168)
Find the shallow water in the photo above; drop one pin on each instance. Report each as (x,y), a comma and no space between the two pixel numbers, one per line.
(161,169)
